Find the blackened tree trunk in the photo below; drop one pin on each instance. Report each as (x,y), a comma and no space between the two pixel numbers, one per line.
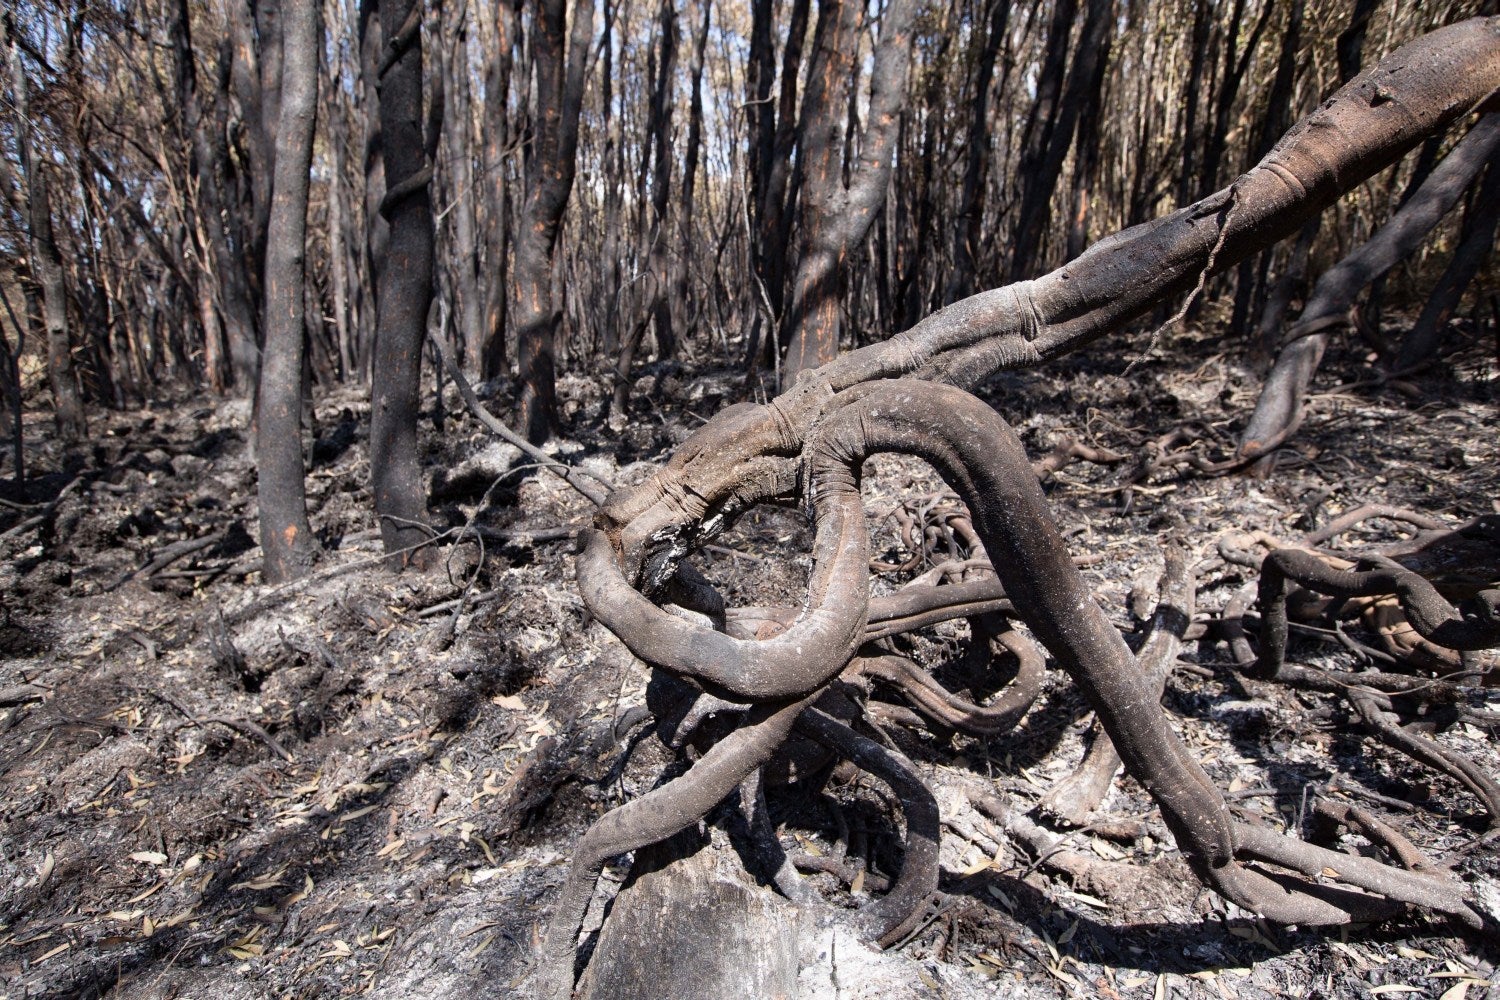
(657,308)
(499,45)
(1278,412)
(967,231)
(559,66)
(1351,42)
(1251,297)
(680,296)
(405,288)
(773,187)
(1422,341)
(285,538)
(46,263)
(836,214)
(1041,180)
(10,390)
(464,259)
(377,230)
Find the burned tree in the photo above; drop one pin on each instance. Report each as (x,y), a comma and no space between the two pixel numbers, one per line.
(907,395)
(839,201)
(405,289)
(46,263)
(285,537)
(560,55)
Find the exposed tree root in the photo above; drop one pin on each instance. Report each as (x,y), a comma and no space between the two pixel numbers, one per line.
(1370,693)
(892,915)
(1074,798)
(946,709)
(813,440)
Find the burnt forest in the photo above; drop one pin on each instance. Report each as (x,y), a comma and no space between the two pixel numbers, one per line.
(738,499)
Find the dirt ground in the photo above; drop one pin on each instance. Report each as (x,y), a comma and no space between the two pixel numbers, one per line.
(353,785)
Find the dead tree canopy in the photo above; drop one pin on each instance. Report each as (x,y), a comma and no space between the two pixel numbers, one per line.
(812,442)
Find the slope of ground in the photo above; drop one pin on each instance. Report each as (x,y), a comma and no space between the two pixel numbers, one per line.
(358,784)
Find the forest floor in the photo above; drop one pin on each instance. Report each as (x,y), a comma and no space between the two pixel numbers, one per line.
(214,788)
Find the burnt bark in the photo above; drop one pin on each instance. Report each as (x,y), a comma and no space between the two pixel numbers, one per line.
(500,31)
(560,61)
(45,261)
(463,257)
(1278,412)
(286,540)
(837,213)
(405,289)
(969,217)
(1477,240)
(1039,182)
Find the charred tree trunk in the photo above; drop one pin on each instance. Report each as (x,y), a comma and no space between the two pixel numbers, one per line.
(10,390)
(559,66)
(773,185)
(405,290)
(464,258)
(1250,295)
(657,162)
(46,263)
(1039,182)
(286,540)
(500,45)
(967,231)
(377,233)
(1478,239)
(1278,412)
(836,214)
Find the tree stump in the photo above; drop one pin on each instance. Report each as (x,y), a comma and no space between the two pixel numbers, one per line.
(695,928)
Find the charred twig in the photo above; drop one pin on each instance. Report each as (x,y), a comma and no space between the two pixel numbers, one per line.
(166,557)
(569,475)
(243,726)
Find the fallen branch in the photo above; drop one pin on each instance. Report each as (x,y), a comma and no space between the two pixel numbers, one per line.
(569,475)
(242,726)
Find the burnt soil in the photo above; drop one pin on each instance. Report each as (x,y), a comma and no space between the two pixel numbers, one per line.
(214,788)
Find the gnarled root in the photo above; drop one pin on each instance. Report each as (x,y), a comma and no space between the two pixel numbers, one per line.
(1074,798)
(979,456)
(891,917)
(935,702)
(1432,617)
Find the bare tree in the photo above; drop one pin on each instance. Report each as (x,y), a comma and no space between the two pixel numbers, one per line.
(286,540)
(559,63)
(45,261)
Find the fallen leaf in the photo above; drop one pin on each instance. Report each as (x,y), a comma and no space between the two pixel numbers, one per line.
(149,857)
(54,952)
